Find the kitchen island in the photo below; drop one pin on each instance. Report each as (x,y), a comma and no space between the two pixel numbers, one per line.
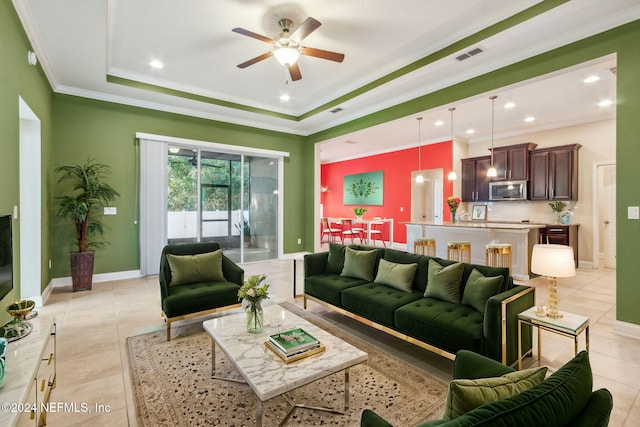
(521,236)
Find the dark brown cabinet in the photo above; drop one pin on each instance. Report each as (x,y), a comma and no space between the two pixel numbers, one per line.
(512,162)
(475,183)
(554,173)
(561,235)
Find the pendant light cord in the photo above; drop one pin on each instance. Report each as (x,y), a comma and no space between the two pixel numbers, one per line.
(419,146)
(493,103)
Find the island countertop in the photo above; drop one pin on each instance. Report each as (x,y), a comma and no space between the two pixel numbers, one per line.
(473,224)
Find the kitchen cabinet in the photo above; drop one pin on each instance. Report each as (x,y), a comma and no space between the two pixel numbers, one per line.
(475,183)
(561,234)
(512,162)
(554,173)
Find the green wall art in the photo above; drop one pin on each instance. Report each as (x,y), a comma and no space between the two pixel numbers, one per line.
(363,189)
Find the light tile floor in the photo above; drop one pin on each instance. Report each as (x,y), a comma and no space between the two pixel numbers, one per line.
(93,327)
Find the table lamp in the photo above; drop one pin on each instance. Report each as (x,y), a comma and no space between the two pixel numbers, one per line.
(553,261)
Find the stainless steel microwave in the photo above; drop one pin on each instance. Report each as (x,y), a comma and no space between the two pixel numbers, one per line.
(508,190)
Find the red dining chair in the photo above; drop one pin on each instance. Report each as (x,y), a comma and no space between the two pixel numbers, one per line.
(348,232)
(376,232)
(331,233)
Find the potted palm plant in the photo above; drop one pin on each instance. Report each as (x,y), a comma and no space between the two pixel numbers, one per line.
(82,206)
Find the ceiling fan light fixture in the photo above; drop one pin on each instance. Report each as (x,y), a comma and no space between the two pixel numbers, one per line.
(286,55)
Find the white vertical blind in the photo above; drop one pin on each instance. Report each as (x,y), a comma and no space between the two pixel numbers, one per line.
(153,204)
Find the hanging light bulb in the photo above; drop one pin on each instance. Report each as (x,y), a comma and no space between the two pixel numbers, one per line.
(452,174)
(492,172)
(419,177)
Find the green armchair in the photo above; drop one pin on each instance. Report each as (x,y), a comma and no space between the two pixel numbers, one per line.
(199,287)
(564,399)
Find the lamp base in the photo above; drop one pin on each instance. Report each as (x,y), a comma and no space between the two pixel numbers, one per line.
(553,299)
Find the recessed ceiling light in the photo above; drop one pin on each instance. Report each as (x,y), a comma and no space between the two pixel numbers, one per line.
(509,105)
(156,64)
(529,119)
(284,97)
(605,103)
(591,79)
(470,131)
(439,123)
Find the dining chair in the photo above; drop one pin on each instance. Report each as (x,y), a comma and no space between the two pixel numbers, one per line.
(348,232)
(376,232)
(328,231)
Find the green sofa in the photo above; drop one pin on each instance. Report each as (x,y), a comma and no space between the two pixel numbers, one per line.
(438,325)
(197,297)
(564,399)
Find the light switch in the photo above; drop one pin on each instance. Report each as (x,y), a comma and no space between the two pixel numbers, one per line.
(633,212)
(110,210)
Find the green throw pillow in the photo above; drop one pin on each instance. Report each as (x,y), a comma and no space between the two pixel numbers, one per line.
(335,260)
(466,395)
(359,264)
(399,276)
(479,289)
(206,267)
(444,282)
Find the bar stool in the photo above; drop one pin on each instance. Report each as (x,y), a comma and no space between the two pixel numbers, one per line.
(498,255)
(459,251)
(422,243)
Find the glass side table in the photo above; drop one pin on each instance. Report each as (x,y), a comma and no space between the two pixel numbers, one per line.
(569,325)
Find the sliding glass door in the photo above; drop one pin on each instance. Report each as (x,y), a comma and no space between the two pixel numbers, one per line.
(228,198)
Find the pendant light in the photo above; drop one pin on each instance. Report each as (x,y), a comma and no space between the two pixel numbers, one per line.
(491,173)
(452,174)
(419,177)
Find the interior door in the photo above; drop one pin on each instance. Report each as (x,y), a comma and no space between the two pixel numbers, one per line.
(609,210)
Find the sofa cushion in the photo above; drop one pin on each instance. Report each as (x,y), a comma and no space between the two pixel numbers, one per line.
(444,282)
(194,297)
(328,287)
(376,302)
(204,267)
(446,325)
(465,395)
(400,257)
(507,282)
(555,402)
(399,276)
(479,289)
(359,264)
(335,261)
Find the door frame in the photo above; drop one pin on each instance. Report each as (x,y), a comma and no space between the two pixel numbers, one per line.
(595,225)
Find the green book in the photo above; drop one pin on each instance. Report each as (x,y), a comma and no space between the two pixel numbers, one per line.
(294,341)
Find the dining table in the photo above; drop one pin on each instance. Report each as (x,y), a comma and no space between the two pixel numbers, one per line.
(367,223)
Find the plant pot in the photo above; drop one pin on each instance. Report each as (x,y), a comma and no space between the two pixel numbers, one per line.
(82,270)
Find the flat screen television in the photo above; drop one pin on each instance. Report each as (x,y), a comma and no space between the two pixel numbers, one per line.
(6,256)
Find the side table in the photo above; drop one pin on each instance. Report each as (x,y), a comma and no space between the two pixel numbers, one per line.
(569,325)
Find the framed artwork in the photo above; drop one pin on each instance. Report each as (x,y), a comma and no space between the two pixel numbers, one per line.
(363,189)
(479,213)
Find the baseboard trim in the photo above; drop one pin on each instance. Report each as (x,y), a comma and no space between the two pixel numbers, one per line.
(627,329)
(585,264)
(97,278)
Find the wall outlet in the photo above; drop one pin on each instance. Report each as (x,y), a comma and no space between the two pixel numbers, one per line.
(299,241)
(110,210)
(401,209)
(633,212)
(49,263)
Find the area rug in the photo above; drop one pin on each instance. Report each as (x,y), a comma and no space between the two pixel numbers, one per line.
(172,385)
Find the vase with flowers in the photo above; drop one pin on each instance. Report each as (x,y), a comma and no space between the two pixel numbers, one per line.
(359,212)
(252,292)
(558,208)
(454,203)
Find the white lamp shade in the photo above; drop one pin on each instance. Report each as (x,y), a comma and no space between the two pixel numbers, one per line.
(553,261)
(452,176)
(419,178)
(492,172)
(286,55)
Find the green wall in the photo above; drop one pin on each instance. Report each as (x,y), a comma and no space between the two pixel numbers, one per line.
(17,78)
(623,41)
(106,131)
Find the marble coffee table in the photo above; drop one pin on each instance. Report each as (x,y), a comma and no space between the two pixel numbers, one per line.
(266,374)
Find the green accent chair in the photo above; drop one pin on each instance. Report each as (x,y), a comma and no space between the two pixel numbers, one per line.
(199,298)
(564,399)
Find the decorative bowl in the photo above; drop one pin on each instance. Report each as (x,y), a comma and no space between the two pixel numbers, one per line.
(20,309)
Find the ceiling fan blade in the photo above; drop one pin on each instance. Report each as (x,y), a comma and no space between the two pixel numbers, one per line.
(253,35)
(256,59)
(307,27)
(294,71)
(324,54)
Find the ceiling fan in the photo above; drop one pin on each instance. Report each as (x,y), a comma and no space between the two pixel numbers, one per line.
(287,46)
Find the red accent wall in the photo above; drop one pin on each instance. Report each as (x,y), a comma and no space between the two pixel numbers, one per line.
(397,167)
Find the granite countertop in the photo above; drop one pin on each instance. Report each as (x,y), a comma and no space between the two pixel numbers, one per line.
(481,224)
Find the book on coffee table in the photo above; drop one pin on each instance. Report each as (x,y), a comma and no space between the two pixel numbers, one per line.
(293,341)
(295,356)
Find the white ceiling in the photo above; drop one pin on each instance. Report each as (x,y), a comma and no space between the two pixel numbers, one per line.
(80,43)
